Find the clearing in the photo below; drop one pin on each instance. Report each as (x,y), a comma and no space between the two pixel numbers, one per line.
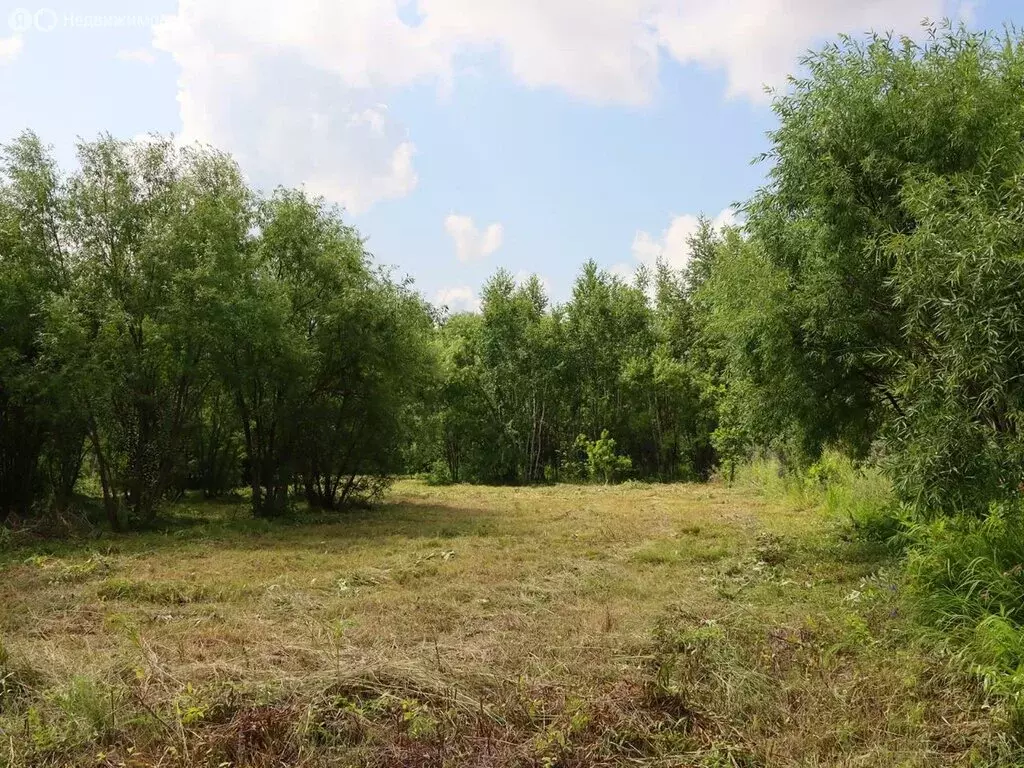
(662,625)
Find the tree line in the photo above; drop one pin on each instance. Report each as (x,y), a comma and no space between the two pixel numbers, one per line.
(165,327)
(606,384)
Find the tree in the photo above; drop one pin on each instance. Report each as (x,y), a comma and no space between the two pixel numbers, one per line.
(518,365)
(867,119)
(871,299)
(373,360)
(322,357)
(41,434)
(521,380)
(152,227)
(958,443)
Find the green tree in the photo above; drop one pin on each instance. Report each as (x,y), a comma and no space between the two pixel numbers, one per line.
(153,226)
(867,119)
(872,295)
(41,434)
(518,364)
(958,443)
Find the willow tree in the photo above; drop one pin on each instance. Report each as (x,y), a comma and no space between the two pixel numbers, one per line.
(41,433)
(153,230)
(887,242)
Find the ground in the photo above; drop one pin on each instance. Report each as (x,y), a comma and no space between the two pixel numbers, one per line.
(661,625)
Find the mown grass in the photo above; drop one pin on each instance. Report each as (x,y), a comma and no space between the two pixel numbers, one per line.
(677,625)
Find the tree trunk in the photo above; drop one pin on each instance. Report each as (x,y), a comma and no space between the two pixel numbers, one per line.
(110,503)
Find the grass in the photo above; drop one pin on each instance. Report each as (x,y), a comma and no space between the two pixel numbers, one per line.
(679,625)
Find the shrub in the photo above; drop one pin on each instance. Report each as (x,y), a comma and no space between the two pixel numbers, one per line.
(858,495)
(602,462)
(439,473)
(966,579)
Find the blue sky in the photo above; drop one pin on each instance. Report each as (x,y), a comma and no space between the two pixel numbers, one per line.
(460,135)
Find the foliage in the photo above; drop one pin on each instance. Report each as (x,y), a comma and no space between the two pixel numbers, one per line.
(521,380)
(871,299)
(41,434)
(965,579)
(603,463)
(194,334)
(958,444)
(872,305)
(858,496)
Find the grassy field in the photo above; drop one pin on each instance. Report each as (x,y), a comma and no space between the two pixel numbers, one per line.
(636,625)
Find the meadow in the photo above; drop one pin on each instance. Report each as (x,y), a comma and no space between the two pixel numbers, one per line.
(640,625)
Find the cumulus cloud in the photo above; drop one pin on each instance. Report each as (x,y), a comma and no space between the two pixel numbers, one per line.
(603,50)
(672,246)
(597,50)
(460,298)
(757,42)
(297,90)
(10,47)
(257,79)
(472,244)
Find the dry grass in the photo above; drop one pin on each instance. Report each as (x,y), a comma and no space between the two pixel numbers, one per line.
(571,626)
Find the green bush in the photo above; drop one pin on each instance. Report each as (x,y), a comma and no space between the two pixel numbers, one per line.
(965,578)
(860,496)
(603,463)
(439,473)
(857,495)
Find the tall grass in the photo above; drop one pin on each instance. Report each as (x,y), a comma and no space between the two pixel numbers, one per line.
(857,495)
(965,579)
(962,577)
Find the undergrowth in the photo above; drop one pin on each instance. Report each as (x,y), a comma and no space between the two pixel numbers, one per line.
(856,495)
(961,578)
(965,579)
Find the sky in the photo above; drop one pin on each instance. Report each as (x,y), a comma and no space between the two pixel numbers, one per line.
(459,136)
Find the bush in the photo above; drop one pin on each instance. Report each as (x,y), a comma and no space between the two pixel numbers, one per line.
(857,495)
(966,579)
(603,463)
(861,497)
(763,473)
(439,473)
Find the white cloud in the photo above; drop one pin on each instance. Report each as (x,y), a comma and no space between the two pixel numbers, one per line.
(295,89)
(673,244)
(10,47)
(280,86)
(598,50)
(141,55)
(470,243)
(459,298)
(757,42)
(394,177)
(623,271)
